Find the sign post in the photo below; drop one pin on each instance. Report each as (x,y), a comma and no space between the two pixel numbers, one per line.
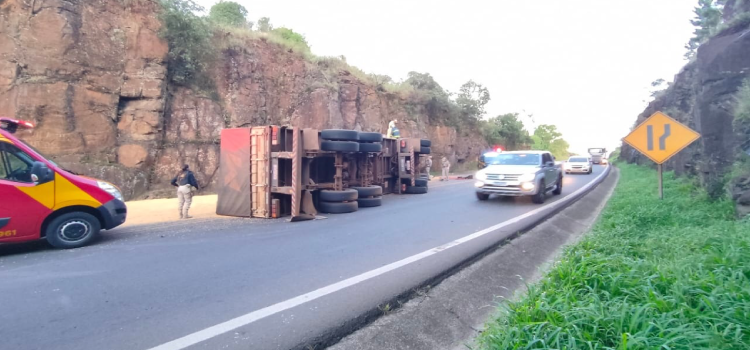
(659,138)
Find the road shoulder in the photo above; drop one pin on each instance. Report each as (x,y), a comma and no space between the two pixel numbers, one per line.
(451,314)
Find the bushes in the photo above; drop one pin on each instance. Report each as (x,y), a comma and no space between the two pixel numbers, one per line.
(229,13)
(188,36)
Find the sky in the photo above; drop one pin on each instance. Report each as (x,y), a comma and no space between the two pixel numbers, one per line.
(584,66)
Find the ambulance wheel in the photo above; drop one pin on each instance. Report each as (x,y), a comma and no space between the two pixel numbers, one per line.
(424,150)
(346,195)
(339,135)
(72,230)
(369,191)
(338,207)
(370,147)
(425,143)
(339,146)
(370,202)
(370,137)
(416,190)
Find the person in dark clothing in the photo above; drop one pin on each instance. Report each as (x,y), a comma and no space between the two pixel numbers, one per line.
(186,185)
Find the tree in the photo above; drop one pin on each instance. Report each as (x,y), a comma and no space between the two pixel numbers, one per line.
(264,24)
(507,130)
(547,138)
(472,98)
(188,37)
(707,19)
(292,37)
(228,13)
(425,82)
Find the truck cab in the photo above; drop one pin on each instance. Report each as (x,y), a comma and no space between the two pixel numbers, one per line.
(519,173)
(39,199)
(597,155)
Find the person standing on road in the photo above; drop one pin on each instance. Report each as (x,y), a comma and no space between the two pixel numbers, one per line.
(446,168)
(428,165)
(186,185)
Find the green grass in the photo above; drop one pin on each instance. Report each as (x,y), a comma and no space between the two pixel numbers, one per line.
(671,274)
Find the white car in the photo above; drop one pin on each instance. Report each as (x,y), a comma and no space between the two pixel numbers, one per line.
(577,164)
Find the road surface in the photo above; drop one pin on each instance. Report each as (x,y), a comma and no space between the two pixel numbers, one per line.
(246,283)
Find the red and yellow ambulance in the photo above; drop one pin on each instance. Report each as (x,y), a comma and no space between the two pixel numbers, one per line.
(39,199)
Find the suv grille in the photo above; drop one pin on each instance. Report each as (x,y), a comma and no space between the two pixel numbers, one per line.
(505,177)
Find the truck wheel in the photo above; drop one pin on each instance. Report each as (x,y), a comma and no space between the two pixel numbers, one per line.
(338,207)
(370,137)
(369,191)
(339,146)
(424,150)
(339,135)
(370,202)
(370,147)
(558,189)
(539,197)
(420,182)
(415,190)
(425,143)
(72,230)
(483,196)
(339,196)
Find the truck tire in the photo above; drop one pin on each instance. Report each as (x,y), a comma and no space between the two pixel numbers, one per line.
(338,207)
(339,146)
(72,230)
(425,143)
(339,135)
(339,196)
(415,190)
(558,188)
(369,191)
(424,150)
(370,202)
(374,137)
(540,196)
(370,147)
(420,183)
(482,196)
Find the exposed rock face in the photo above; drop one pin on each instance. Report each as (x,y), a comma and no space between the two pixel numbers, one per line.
(92,75)
(702,97)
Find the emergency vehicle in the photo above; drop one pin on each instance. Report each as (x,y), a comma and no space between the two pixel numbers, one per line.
(39,199)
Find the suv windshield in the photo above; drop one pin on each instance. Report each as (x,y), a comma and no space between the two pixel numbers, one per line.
(578,160)
(514,159)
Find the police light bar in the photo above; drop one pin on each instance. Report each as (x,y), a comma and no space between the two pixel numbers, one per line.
(12,124)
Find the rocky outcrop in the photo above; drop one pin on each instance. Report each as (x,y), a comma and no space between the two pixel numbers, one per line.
(93,76)
(703,97)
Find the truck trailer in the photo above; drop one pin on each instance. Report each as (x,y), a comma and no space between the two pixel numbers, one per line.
(277,171)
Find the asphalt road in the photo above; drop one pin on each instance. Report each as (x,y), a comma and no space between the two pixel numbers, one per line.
(142,287)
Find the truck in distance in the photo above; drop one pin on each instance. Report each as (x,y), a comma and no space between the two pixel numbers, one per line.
(597,154)
(519,173)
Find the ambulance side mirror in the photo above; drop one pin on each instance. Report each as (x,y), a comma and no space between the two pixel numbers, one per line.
(41,174)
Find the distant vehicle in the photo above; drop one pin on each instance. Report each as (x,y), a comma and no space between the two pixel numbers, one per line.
(597,154)
(578,164)
(39,199)
(519,173)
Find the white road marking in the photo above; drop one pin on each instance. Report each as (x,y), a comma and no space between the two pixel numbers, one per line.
(244,320)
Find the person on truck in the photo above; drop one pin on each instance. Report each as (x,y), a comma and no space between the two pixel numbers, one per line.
(393,131)
(446,168)
(186,184)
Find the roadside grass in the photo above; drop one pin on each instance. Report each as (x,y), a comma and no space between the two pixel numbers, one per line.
(671,274)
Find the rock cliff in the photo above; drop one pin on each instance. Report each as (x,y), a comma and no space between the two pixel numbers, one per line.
(92,75)
(702,96)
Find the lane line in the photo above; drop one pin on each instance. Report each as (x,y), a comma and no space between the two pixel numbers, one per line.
(244,320)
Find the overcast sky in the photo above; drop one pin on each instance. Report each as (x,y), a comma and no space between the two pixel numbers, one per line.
(585,66)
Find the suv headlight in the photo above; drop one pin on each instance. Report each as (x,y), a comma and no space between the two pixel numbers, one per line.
(480,176)
(527,177)
(111,189)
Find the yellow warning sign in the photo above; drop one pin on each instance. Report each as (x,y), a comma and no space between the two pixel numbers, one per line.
(660,137)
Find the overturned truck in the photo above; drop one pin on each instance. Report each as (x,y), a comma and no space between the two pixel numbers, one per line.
(277,171)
